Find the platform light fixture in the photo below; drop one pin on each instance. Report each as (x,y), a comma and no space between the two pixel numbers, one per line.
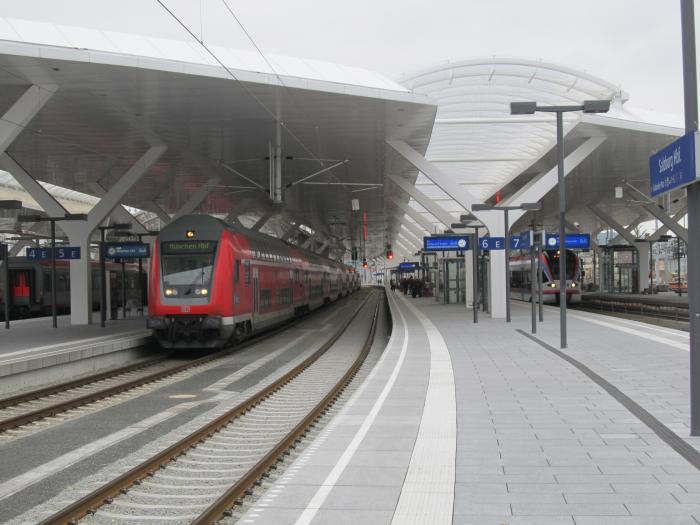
(529,108)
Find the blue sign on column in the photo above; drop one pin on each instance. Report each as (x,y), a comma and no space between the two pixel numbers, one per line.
(446,243)
(127,250)
(574,241)
(675,165)
(63,253)
(492,243)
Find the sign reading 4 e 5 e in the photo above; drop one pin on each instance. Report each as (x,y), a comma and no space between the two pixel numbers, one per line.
(675,166)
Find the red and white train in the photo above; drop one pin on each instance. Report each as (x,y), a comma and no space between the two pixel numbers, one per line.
(211,283)
(520,277)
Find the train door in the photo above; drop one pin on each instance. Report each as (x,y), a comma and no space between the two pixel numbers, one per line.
(20,289)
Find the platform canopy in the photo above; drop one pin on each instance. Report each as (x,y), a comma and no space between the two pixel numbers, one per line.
(500,157)
(216,110)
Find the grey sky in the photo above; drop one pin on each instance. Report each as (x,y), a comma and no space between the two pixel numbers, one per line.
(633,43)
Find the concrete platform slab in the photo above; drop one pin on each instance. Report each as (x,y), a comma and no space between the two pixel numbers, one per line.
(537,440)
(32,352)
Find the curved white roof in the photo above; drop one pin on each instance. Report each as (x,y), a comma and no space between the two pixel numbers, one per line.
(475,139)
(149,47)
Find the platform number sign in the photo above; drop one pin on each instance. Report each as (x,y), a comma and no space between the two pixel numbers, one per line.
(492,243)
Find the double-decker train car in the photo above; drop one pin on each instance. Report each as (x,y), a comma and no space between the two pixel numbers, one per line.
(30,287)
(211,283)
(520,277)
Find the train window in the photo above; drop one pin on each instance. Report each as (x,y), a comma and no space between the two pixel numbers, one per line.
(246,269)
(237,271)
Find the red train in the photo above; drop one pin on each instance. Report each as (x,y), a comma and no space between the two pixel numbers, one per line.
(212,283)
(520,276)
(30,287)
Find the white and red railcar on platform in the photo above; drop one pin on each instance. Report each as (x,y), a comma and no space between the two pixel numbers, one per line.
(212,284)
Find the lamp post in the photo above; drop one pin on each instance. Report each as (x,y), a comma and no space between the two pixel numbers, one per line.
(529,108)
(528,206)
(5,250)
(475,260)
(103,268)
(52,221)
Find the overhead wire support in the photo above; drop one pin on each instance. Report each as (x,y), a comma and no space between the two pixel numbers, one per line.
(234,77)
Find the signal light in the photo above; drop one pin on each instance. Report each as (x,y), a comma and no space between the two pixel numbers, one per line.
(364,263)
(390,255)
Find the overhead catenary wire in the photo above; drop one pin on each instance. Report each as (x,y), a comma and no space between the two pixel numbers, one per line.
(268,110)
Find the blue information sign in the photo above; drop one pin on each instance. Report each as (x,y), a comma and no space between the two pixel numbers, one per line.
(675,165)
(574,241)
(492,243)
(446,243)
(127,250)
(522,241)
(408,266)
(63,253)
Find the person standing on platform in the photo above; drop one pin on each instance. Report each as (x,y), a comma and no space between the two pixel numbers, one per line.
(404,285)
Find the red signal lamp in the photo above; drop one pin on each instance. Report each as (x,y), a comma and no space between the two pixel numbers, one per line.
(390,255)
(364,263)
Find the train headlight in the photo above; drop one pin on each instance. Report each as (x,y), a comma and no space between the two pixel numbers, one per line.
(573,285)
(552,285)
(170,292)
(205,291)
(198,291)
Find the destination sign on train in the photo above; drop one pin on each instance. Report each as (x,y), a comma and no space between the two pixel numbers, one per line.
(446,243)
(188,246)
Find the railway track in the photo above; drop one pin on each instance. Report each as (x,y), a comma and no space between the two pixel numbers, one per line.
(655,313)
(202,476)
(18,411)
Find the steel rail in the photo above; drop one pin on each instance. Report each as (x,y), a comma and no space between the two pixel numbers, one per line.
(233,495)
(91,397)
(11,401)
(104,494)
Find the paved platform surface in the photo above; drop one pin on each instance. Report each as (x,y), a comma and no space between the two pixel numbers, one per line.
(33,344)
(480,424)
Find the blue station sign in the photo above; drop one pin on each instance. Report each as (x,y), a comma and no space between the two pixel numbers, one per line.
(522,241)
(492,243)
(574,241)
(63,253)
(674,166)
(446,243)
(127,250)
(408,266)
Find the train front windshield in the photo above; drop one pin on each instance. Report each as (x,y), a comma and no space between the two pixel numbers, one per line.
(570,264)
(187,266)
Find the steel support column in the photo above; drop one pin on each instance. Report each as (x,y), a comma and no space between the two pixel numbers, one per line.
(197,198)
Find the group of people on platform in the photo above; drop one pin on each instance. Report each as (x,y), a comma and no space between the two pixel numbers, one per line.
(410,285)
